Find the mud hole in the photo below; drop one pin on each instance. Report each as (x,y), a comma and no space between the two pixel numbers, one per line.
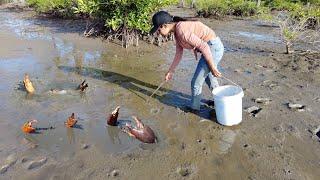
(274,144)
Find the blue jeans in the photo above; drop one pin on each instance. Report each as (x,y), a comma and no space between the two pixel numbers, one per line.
(203,73)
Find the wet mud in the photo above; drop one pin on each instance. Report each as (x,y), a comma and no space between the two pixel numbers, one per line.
(277,142)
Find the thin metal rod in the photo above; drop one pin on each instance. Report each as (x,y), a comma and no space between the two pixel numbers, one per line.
(230,81)
(158,88)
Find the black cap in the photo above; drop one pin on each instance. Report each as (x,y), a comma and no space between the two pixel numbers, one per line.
(160,18)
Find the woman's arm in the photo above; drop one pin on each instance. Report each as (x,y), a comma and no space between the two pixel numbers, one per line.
(174,64)
(204,48)
(177,58)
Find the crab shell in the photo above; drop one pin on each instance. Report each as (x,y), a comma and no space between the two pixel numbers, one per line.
(71,121)
(113,117)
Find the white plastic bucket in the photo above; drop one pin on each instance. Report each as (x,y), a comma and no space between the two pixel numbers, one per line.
(228,104)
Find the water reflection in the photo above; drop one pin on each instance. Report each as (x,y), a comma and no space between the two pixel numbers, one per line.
(70,135)
(30,141)
(258,37)
(113,133)
(170,98)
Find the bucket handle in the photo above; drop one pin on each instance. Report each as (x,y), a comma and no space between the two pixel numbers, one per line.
(230,81)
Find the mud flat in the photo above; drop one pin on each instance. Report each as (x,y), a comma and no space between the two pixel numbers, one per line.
(279,142)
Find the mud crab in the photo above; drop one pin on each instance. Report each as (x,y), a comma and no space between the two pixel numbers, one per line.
(27,126)
(141,132)
(71,121)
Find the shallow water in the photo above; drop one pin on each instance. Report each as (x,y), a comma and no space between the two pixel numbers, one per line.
(126,77)
(52,61)
(259,37)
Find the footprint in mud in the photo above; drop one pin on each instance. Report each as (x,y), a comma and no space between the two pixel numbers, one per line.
(155,110)
(292,130)
(148,147)
(183,171)
(270,84)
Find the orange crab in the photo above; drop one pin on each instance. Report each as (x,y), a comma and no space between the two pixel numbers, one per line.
(28,84)
(71,121)
(27,127)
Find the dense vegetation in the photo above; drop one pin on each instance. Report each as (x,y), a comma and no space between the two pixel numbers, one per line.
(299,20)
(124,19)
(128,19)
(220,8)
(135,14)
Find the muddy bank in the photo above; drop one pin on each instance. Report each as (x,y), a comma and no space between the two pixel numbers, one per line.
(278,142)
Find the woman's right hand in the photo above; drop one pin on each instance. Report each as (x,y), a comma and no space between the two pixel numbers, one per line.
(216,73)
(168,76)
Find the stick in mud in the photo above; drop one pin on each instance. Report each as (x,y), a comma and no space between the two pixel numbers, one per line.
(163,82)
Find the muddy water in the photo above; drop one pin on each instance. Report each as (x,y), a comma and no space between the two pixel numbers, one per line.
(277,143)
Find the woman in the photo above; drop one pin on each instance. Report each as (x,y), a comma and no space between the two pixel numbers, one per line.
(194,35)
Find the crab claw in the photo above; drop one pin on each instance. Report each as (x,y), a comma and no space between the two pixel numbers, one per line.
(28,84)
(129,130)
(138,122)
(116,110)
(33,121)
(83,86)
(113,117)
(143,132)
(128,125)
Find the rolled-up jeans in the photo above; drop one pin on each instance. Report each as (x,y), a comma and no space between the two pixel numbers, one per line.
(203,73)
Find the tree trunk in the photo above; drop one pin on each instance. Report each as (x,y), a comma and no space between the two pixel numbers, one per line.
(181,4)
(193,4)
(289,48)
(258,3)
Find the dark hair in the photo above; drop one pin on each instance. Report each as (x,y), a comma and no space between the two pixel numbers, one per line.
(163,17)
(178,19)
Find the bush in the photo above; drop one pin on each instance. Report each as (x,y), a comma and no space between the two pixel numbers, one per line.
(242,8)
(132,14)
(51,5)
(297,21)
(211,7)
(299,10)
(222,8)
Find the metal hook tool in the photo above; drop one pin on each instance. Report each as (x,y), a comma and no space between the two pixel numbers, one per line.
(163,82)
